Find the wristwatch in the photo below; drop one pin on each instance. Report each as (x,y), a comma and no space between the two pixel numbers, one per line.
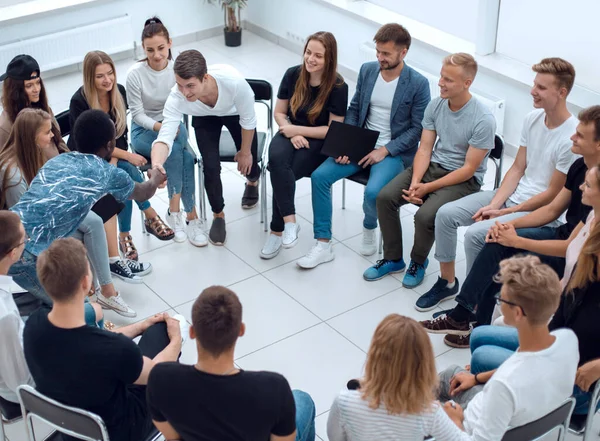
(477,379)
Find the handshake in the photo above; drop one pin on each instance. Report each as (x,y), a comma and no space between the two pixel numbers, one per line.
(158,176)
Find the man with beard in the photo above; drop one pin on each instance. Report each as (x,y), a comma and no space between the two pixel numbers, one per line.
(444,170)
(390,98)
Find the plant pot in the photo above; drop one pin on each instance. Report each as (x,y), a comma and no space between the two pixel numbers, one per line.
(233,38)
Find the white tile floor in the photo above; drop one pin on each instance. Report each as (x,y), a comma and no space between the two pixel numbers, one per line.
(313,326)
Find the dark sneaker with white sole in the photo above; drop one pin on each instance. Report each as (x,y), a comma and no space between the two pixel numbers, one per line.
(250,196)
(458,341)
(139,268)
(436,295)
(120,269)
(217,234)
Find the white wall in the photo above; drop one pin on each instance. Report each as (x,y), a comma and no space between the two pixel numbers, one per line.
(303,18)
(531,30)
(458,19)
(181,17)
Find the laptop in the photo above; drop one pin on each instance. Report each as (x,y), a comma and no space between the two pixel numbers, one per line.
(347,140)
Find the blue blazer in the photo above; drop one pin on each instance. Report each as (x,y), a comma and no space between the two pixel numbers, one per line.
(408,106)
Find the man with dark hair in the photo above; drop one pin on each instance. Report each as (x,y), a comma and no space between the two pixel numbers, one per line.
(529,233)
(390,98)
(64,191)
(214,400)
(100,371)
(215,96)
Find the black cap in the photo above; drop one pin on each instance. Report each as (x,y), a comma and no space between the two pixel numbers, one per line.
(21,68)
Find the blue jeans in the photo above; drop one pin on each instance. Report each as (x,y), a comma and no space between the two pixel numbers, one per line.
(125,215)
(491,346)
(582,400)
(24,274)
(179,165)
(305,416)
(329,172)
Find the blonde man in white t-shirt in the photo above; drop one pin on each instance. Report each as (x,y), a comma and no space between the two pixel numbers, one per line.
(535,178)
(532,382)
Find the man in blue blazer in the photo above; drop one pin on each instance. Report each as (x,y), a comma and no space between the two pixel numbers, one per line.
(391,98)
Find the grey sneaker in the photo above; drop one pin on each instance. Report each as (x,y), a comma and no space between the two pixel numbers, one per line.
(217,233)
(250,196)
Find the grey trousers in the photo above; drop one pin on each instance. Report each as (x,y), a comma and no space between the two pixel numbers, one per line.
(91,233)
(463,398)
(390,200)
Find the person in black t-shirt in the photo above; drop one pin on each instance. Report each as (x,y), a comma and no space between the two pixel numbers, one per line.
(100,371)
(213,399)
(310,96)
(523,235)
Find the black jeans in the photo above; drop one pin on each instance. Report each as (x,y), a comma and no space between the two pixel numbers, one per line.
(479,287)
(208,135)
(286,165)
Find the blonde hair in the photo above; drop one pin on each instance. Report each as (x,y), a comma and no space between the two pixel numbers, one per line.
(400,372)
(532,285)
(118,112)
(586,270)
(464,60)
(562,70)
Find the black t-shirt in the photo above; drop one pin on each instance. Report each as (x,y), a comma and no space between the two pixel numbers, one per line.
(337,103)
(579,311)
(577,212)
(79,104)
(247,406)
(88,368)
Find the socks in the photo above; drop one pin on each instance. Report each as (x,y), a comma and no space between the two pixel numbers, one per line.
(114,259)
(451,285)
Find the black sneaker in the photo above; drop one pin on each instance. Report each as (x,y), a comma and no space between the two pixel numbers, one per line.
(442,312)
(250,197)
(138,268)
(217,233)
(436,295)
(121,270)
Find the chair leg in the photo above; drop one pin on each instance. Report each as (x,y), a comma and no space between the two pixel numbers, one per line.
(343,194)
(142,218)
(201,206)
(265,198)
(2,435)
(380,242)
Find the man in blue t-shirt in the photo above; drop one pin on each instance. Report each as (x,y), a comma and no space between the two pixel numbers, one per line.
(66,188)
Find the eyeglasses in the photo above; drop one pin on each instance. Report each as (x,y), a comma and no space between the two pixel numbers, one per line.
(501,300)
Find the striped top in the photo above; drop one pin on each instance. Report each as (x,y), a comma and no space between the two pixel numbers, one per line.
(351,419)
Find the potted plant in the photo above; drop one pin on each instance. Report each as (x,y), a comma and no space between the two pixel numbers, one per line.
(233,21)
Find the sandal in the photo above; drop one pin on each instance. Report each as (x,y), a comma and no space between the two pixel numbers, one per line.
(128,248)
(159,229)
(108,326)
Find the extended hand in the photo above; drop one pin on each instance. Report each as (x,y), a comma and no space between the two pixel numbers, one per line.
(137,160)
(299,142)
(461,382)
(158,175)
(374,157)
(289,130)
(244,161)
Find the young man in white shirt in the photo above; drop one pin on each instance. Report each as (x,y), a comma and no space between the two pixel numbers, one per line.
(535,178)
(215,96)
(532,382)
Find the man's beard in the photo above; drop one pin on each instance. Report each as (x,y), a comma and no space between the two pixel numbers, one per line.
(390,66)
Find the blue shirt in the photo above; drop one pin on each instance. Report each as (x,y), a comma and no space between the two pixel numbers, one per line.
(62,194)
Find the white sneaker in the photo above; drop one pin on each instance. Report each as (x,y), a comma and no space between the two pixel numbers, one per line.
(369,242)
(196,234)
(322,252)
(117,304)
(272,247)
(290,235)
(183,326)
(175,221)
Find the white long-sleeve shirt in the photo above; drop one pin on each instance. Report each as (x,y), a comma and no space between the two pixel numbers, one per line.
(13,368)
(351,419)
(147,92)
(235,98)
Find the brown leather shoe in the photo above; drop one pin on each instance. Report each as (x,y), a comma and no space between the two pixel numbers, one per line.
(458,341)
(446,325)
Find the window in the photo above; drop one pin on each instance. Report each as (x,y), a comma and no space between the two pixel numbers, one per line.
(4,3)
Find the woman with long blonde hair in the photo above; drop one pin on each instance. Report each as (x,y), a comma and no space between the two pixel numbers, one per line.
(101,91)
(310,96)
(395,400)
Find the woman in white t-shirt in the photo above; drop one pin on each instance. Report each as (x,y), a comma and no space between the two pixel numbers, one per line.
(149,83)
(395,400)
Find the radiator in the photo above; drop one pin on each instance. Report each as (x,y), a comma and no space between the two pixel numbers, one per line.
(67,47)
(496,105)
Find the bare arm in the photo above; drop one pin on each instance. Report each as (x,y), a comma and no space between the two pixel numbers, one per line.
(290,437)
(557,182)
(511,179)
(290,130)
(145,190)
(462,174)
(281,108)
(557,248)
(545,214)
(167,430)
(423,155)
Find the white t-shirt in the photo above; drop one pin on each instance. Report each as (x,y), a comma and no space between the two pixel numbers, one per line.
(547,150)
(351,419)
(235,98)
(380,109)
(147,92)
(527,386)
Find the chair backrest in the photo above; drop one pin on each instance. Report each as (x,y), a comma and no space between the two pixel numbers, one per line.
(558,418)
(63,122)
(498,149)
(262,89)
(69,420)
